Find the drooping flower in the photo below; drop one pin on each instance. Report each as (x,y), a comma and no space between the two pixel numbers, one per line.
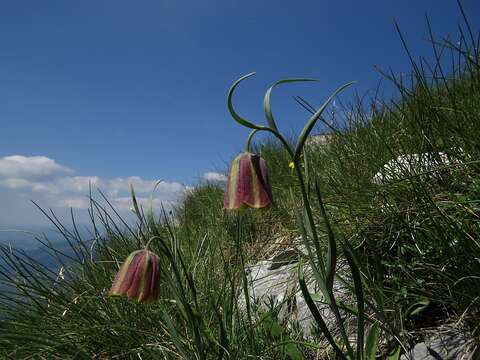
(138,277)
(247,184)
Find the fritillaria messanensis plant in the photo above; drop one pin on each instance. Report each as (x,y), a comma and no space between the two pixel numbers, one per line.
(247,184)
(323,266)
(138,277)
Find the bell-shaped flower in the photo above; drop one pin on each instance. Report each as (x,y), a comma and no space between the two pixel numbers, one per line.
(247,184)
(138,277)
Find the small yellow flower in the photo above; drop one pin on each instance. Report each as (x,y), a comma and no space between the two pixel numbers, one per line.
(291,165)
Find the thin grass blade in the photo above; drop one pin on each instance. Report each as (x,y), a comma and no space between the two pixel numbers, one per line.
(312,121)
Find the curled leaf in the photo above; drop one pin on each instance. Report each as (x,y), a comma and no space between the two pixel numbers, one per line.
(232,111)
(266,100)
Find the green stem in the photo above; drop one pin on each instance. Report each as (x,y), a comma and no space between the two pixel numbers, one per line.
(329,295)
(275,133)
(248,143)
(308,210)
(147,245)
(244,278)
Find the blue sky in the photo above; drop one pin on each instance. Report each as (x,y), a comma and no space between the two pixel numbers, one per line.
(123,91)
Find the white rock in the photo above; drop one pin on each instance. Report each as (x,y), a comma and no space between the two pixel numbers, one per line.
(451,345)
(318,140)
(411,164)
(275,282)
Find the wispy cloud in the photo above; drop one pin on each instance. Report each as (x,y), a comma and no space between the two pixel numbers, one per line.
(53,185)
(214,177)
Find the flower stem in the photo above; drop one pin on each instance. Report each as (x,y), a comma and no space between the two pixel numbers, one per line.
(308,210)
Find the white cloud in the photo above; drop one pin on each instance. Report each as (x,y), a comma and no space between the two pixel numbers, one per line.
(74,202)
(15,183)
(119,185)
(57,185)
(29,166)
(79,183)
(125,203)
(214,176)
(45,181)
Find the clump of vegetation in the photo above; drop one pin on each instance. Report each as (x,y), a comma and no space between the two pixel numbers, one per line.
(411,240)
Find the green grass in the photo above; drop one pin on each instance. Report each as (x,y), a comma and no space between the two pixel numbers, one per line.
(417,240)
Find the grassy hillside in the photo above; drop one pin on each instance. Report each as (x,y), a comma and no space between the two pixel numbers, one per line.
(415,237)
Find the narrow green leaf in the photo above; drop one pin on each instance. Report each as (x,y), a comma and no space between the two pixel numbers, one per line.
(315,313)
(312,121)
(348,308)
(232,111)
(318,274)
(248,143)
(292,351)
(309,232)
(176,337)
(135,204)
(318,297)
(150,218)
(372,342)
(357,282)
(395,355)
(306,171)
(417,307)
(274,328)
(332,246)
(266,101)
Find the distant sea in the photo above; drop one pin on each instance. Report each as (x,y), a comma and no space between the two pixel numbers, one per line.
(23,238)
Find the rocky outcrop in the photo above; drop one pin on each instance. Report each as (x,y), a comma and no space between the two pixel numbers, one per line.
(445,345)
(274,283)
(318,140)
(413,164)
